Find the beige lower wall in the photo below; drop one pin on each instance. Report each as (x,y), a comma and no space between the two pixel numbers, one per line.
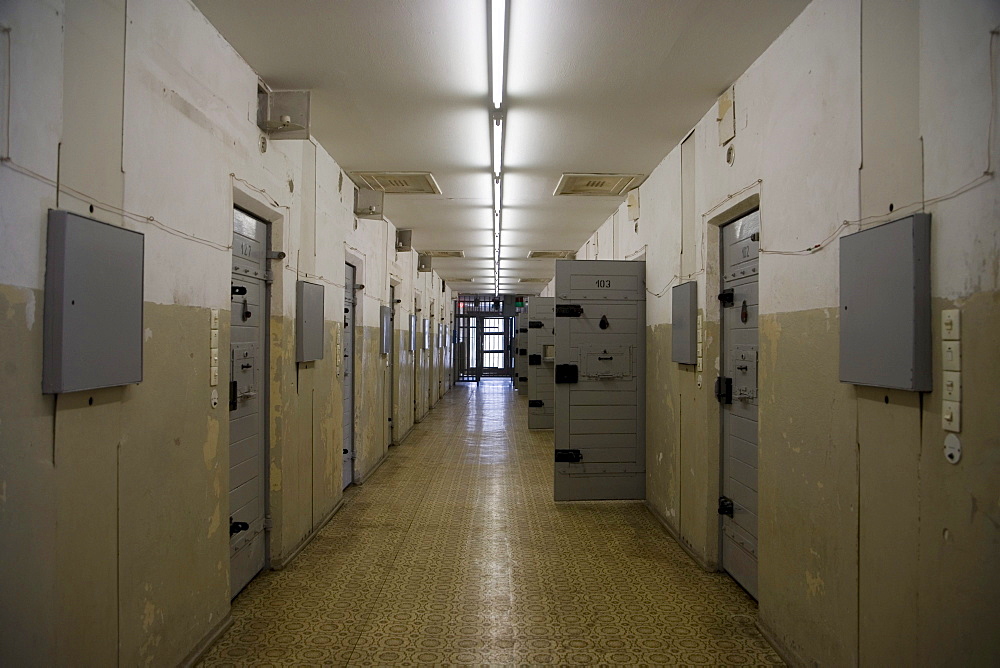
(873,549)
(115,548)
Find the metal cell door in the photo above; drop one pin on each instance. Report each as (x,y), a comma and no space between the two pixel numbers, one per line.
(738,393)
(391,372)
(600,367)
(493,338)
(247,426)
(540,362)
(466,351)
(349,312)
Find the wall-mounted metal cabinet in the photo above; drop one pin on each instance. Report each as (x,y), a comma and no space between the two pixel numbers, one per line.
(93,312)
(309,321)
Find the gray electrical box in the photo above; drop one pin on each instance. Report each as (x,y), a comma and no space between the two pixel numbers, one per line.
(540,342)
(684,328)
(600,381)
(92,322)
(385,323)
(309,321)
(885,305)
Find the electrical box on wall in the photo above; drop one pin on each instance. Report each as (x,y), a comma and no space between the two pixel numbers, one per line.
(423,262)
(92,322)
(885,305)
(684,328)
(385,321)
(369,204)
(309,321)
(427,334)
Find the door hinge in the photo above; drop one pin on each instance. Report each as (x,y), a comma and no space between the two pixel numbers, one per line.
(725,506)
(268,523)
(522,379)
(724,390)
(522,330)
(522,351)
(567,373)
(569,456)
(727,297)
(536,324)
(534,360)
(535,403)
(268,276)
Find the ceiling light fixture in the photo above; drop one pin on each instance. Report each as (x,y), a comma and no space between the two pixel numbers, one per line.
(498,61)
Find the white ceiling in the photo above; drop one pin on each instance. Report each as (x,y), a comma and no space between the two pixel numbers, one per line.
(592,86)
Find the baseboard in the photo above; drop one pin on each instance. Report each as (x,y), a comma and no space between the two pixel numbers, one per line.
(695,557)
(279,565)
(205,644)
(367,476)
(786,653)
(399,441)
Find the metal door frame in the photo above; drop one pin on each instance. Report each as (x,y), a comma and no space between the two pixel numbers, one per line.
(392,364)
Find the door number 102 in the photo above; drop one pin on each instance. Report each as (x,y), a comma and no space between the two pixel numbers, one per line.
(603,282)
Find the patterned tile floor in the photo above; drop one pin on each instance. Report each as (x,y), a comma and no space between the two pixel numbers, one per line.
(454,553)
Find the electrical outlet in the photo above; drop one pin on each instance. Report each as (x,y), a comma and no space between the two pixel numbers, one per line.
(952,386)
(951,415)
(214,376)
(214,339)
(214,356)
(951,355)
(951,324)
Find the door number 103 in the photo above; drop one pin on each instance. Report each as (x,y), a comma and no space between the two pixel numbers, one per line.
(603,282)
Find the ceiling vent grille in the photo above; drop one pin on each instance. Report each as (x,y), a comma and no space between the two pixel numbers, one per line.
(398,183)
(598,184)
(443,253)
(551,254)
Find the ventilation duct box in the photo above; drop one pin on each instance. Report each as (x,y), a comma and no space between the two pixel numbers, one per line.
(684,328)
(423,262)
(368,203)
(283,114)
(404,241)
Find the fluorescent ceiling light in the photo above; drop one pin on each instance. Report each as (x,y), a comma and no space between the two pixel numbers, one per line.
(497,146)
(498,25)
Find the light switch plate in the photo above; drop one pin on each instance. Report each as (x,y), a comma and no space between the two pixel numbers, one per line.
(701,364)
(215,318)
(214,376)
(951,355)
(951,324)
(951,415)
(952,386)
(214,339)
(214,356)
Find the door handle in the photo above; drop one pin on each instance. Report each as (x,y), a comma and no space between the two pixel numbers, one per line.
(237,527)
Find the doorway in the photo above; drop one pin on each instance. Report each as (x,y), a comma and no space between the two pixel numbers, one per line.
(738,387)
(391,371)
(248,379)
(350,308)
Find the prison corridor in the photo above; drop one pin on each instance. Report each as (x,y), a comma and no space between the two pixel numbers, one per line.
(453,552)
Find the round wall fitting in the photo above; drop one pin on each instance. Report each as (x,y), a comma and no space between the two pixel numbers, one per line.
(263,143)
(730,154)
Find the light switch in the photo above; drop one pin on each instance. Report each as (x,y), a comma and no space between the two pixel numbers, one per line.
(213,376)
(951,355)
(214,341)
(951,324)
(952,386)
(214,357)
(951,415)
(215,318)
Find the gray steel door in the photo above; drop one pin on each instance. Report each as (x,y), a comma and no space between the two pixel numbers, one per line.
(540,342)
(600,424)
(738,506)
(247,426)
(391,374)
(349,311)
